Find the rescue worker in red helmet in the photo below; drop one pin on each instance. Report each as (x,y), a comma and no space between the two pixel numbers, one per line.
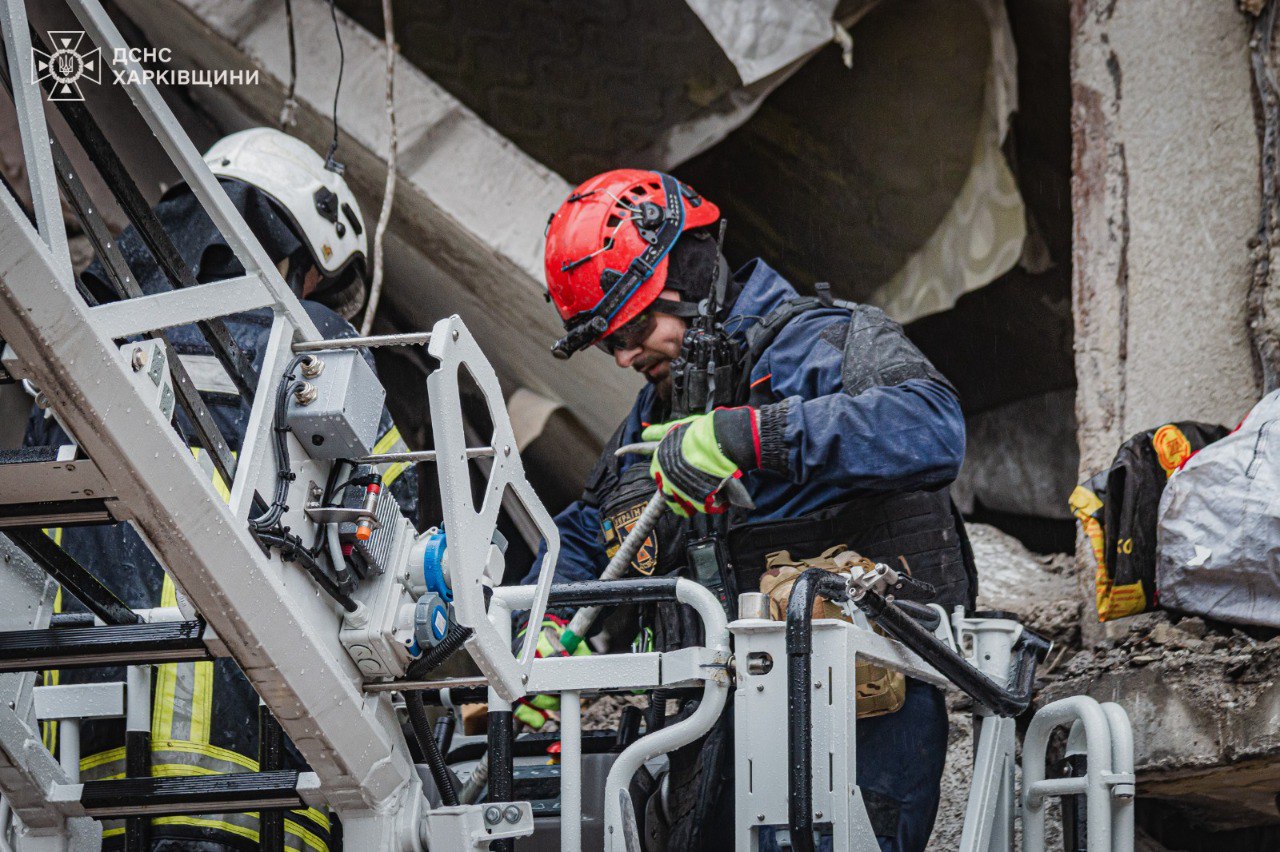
(839,428)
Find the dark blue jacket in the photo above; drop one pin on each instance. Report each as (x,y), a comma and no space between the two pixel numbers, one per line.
(886,439)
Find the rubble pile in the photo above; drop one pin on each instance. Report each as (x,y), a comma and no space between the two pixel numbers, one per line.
(1039,589)
(1191,643)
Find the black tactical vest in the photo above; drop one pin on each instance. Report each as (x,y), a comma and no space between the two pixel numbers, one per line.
(921,530)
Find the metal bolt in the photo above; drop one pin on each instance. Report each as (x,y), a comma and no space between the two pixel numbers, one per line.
(759,687)
(512,814)
(139,359)
(455,334)
(88,492)
(71,467)
(306,393)
(817,814)
(817,684)
(524,678)
(492,815)
(312,367)
(760,817)
(506,451)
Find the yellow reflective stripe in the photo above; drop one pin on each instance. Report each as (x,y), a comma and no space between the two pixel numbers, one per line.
(317,816)
(200,822)
(112,832)
(202,702)
(49,729)
(387,441)
(166,676)
(212,751)
(312,840)
(391,443)
(223,491)
(95,760)
(393,472)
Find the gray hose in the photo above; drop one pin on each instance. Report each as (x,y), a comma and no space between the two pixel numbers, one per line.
(583,618)
(340,570)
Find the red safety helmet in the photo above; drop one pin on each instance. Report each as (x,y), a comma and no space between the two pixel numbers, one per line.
(607,248)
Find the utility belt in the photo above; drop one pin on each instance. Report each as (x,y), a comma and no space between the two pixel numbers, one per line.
(921,530)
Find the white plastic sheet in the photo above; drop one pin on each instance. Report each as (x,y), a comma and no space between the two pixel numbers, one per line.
(1218,533)
(763,36)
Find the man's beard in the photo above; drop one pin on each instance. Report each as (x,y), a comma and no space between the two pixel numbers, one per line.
(662,386)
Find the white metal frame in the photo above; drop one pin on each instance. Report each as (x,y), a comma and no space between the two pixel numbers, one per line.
(572,677)
(264,613)
(469,529)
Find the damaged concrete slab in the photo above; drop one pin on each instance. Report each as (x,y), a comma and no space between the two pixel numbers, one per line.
(1205,705)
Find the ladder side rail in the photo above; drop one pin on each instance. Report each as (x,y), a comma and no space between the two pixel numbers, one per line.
(27,770)
(34,131)
(296,664)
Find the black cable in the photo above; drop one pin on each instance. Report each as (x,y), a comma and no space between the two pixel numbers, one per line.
(293,54)
(799,711)
(430,748)
(329,162)
(293,550)
(453,639)
(280,450)
(655,715)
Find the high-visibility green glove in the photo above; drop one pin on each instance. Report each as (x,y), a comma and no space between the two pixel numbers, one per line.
(534,710)
(697,454)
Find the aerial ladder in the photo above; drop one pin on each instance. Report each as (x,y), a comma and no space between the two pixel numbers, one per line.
(336,657)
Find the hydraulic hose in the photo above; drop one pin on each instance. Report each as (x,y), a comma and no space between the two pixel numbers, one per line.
(430,749)
(292,549)
(894,620)
(799,699)
(582,620)
(1001,700)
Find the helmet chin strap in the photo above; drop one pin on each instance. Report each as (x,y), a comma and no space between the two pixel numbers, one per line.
(296,267)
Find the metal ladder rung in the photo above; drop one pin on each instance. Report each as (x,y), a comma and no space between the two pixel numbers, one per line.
(54,473)
(87,647)
(248,791)
(180,307)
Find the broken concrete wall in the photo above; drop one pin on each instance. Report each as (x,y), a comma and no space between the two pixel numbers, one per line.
(1166,198)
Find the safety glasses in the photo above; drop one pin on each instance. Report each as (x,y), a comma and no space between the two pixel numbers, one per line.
(629,335)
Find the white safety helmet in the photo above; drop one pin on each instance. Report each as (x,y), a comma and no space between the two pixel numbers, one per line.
(320,206)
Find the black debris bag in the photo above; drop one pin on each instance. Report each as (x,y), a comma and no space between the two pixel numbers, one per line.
(1117,509)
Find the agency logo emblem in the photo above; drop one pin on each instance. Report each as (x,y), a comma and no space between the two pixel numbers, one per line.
(66,66)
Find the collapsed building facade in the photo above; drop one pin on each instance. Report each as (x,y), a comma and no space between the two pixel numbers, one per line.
(1067,204)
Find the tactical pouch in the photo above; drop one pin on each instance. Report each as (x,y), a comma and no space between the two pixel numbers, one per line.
(880,690)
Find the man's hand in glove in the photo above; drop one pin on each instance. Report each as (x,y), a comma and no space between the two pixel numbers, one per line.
(534,710)
(699,453)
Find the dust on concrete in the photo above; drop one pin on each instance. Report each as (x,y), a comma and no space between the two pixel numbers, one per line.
(1039,588)
(1203,656)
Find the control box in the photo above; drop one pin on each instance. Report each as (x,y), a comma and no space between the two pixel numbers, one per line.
(335,413)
